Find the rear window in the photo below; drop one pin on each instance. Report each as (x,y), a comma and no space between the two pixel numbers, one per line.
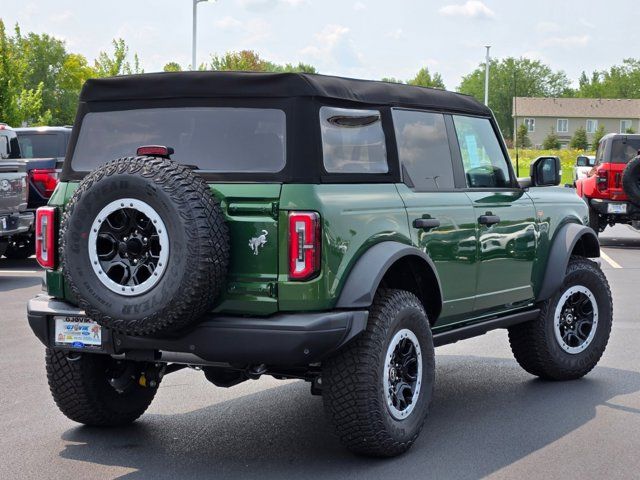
(41,145)
(353,141)
(214,139)
(623,150)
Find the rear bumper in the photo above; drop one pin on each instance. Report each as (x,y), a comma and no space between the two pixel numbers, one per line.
(279,340)
(601,206)
(15,224)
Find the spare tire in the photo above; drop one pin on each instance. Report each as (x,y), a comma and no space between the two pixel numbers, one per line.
(144,246)
(631,180)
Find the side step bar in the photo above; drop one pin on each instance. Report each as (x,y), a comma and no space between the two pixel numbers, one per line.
(476,329)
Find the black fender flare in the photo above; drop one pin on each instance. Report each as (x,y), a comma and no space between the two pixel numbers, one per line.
(364,279)
(560,252)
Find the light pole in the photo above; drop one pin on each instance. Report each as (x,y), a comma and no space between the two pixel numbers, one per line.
(195,28)
(486,76)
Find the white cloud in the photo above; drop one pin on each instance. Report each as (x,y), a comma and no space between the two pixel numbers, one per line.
(359,6)
(256,30)
(567,42)
(61,17)
(263,5)
(333,48)
(396,34)
(586,23)
(228,22)
(546,27)
(472,9)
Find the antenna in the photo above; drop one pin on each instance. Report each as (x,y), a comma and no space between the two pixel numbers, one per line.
(515,121)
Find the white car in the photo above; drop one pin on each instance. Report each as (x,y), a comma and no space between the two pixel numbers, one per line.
(584,164)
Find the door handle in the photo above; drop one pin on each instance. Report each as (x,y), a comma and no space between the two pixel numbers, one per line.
(426,224)
(488,219)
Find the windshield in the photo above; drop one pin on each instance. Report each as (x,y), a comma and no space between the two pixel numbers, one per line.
(42,145)
(214,139)
(624,149)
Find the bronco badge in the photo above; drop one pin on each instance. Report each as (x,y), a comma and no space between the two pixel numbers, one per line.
(256,242)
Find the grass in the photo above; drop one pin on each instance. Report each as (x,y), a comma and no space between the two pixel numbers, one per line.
(567,159)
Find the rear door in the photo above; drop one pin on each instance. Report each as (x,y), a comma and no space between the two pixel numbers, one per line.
(505,218)
(441,217)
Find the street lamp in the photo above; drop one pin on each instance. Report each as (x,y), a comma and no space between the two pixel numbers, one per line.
(486,76)
(195,27)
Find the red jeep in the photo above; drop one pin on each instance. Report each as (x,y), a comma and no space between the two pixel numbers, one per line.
(612,188)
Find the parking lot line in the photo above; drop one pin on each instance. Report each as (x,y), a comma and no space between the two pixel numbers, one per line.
(19,272)
(609,260)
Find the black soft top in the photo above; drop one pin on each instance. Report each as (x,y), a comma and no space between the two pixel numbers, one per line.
(176,85)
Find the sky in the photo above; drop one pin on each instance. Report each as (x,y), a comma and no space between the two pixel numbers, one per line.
(356,38)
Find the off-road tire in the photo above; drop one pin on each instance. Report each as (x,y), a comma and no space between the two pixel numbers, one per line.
(534,344)
(199,246)
(353,392)
(631,180)
(83,394)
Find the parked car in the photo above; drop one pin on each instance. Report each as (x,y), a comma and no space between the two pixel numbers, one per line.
(15,220)
(612,189)
(303,226)
(43,150)
(584,164)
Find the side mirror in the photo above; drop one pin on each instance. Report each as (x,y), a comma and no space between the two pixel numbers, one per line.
(546,171)
(582,162)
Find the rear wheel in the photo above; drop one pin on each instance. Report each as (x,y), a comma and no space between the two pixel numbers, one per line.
(571,333)
(98,390)
(631,180)
(377,390)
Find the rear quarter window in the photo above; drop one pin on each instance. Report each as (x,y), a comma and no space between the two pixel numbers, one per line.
(214,139)
(353,141)
(623,150)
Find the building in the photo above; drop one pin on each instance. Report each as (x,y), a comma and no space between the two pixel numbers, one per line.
(565,115)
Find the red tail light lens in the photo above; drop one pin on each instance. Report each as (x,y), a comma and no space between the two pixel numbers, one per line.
(45,236)
(602,181)
(45,180)
(154,151)
(305,242)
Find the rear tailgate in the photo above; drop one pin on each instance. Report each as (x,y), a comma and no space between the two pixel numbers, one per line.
(13,187)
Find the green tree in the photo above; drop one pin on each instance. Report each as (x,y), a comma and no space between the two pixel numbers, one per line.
(11,73)
(579,140)
(532,78)
(551,141)
(630,131)
(597,136)
(523,140)
(250,61)
(424,78)
(619,81)
(391,80)
(172,67)
(117,63)
(75,71)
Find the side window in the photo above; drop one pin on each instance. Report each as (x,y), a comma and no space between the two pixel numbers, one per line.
(423,149)
(531,124)
(485,166)
(4,147)
(353,141)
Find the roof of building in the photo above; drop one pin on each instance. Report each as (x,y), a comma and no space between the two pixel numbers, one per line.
(622,108)
(177,85)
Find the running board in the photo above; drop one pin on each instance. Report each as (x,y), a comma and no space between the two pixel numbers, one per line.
(476,329)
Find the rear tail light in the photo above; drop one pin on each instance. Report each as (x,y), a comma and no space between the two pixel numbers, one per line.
(602,180)
(45,236)
(305,242)
(154,151)
(45,180)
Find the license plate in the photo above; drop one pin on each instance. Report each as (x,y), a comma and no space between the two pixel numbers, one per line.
(617,208)
(77,332)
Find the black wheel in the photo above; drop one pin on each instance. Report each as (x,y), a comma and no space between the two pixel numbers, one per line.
(568,338)
(631,180)
(20,249)
(377,390)
(96,389)
(144,246)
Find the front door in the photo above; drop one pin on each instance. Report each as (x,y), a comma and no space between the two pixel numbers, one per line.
(441,218)
(505,216)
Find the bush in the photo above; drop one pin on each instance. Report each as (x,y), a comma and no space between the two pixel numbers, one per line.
(579,140)
(523,137)
(551,142)
(600,132)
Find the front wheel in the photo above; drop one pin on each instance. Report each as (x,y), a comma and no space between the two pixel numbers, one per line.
(377,390)
(571,333)
(98,390)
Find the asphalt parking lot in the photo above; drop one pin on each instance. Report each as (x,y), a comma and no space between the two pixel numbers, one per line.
(489,419)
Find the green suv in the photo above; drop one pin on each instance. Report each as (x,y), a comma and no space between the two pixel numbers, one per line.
(303,226)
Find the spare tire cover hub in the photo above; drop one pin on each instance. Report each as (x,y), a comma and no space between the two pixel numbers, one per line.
(128,246)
